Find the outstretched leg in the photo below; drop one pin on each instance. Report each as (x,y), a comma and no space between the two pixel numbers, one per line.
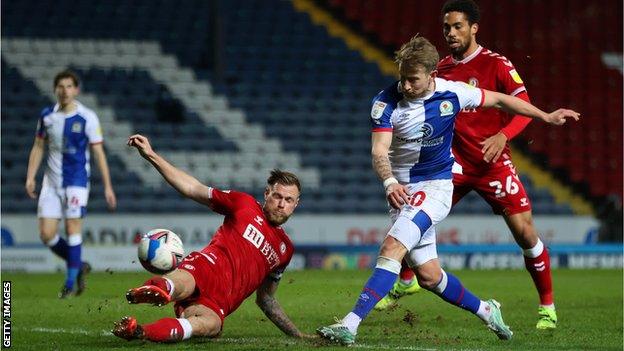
(450,289)
(160,290)
(377,286)
(196,320)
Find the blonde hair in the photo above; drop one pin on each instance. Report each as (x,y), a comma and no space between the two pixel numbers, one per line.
(418,51)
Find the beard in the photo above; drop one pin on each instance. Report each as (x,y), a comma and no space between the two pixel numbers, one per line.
(276,218)
(459,50)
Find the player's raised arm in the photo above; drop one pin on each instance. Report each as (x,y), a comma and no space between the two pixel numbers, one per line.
(514,105)
(34,161)
(184,183)
(265,299)
(395,192)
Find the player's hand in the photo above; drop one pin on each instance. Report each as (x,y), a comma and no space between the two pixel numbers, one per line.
(30,186)
(493,147)
(142,144)
(559,117)
(397,195)
(111,199)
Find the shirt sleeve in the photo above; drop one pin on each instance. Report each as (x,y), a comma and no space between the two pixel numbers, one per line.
(469,96)
(380,115)
(94,130)
(227,202)
(276,274)
(508,80)
(41,130)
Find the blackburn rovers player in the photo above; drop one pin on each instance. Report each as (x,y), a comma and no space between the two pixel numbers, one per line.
(69,129)
(248,253)
(480,148)
(412,133)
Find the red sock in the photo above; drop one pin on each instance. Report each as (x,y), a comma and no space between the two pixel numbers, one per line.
(539,268)
(159,282)
(406,272)
(164,330)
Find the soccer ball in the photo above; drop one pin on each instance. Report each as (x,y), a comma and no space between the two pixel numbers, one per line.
(160,251)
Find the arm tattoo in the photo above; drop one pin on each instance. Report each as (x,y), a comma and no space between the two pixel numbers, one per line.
(381,165)
(273,310)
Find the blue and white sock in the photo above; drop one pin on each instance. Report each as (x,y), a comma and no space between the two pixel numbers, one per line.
(378,285)
(74,261)
(451,290)
(59,246)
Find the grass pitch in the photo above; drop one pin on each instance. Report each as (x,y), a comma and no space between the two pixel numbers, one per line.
(589,306)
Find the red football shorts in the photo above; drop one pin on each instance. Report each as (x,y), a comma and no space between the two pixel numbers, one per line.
(500,187)
(210,273)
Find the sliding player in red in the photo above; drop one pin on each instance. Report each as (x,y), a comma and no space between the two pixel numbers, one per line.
(248,253)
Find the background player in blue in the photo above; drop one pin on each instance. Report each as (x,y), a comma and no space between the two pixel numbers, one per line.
(413,123)
(69,128)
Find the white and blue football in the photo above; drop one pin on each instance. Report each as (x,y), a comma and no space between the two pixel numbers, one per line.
(160,251)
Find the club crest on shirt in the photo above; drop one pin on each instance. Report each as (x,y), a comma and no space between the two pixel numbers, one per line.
(282,248)
(446,108)
(76,127)
(378,109)
(473,82)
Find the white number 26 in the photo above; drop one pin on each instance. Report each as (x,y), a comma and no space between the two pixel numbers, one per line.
(511,187)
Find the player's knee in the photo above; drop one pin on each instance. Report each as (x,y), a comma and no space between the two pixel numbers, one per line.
(392,248)
(206,327)
(523,230)
(46,236)
(428,278)
(183,281)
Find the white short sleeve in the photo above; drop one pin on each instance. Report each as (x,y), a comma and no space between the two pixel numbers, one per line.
(468,96)
(93,129)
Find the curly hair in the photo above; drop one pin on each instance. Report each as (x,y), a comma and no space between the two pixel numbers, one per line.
(467,7)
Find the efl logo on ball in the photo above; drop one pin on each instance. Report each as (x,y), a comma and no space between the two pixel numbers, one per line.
(160,251)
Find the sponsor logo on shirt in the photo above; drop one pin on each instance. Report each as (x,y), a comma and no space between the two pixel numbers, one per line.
(446,108)
(433,142)
(378,109)
(427,130)
(257,239)
(515,76)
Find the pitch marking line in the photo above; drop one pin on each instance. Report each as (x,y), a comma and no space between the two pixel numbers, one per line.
(225,340)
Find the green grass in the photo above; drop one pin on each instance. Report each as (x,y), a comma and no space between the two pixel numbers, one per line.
(589,306)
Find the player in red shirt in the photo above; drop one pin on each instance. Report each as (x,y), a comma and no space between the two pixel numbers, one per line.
(248,253)
(480,147)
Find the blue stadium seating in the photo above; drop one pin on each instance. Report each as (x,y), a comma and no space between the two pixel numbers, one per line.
(307,89)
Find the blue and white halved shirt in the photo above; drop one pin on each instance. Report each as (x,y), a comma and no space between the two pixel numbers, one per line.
(422,129)
(69,137)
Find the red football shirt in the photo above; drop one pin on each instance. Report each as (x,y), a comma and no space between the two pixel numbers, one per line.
(255,249)
(487,70)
